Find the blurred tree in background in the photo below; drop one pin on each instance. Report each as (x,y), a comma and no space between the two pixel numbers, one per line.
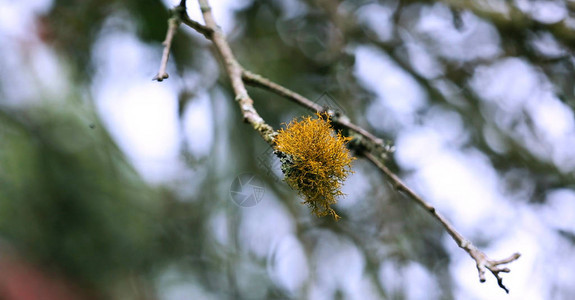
(113,186)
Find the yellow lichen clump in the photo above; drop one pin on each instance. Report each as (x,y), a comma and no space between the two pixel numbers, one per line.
(315,161)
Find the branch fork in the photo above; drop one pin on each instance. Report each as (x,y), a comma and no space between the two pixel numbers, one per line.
(178,16)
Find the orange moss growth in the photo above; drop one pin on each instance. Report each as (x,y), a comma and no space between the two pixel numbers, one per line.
(315,161)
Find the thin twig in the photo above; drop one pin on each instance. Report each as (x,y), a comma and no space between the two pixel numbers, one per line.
(262,82)
(402,187)
(173,24)
(206,31)
(482,261)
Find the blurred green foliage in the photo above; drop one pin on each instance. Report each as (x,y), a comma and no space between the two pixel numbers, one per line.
(69,199)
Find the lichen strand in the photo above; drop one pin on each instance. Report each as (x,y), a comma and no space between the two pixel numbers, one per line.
(315,161)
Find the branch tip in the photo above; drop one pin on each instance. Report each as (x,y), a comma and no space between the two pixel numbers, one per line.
(484,262)
(160,77)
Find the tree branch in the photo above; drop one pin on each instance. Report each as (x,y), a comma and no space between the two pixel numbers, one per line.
(482,261)
(206,31)
(234,71)
(367,144)
(173,24)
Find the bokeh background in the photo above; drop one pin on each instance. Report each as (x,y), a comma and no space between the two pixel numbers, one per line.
(118,187)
